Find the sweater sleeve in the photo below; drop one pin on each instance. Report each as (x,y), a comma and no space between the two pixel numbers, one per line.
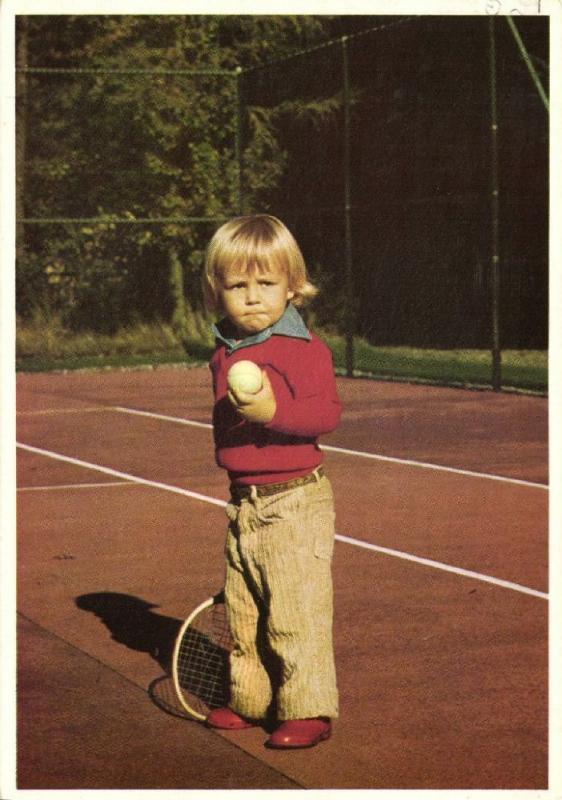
(305,392)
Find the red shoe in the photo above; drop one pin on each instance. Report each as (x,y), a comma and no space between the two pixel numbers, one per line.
(295,733)
(227,720)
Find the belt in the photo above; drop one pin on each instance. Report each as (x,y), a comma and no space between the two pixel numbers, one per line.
(243,492)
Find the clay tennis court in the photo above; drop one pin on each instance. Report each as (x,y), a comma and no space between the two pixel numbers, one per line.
(440,574)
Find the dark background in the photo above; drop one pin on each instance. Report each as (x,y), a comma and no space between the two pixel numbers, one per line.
(420,167)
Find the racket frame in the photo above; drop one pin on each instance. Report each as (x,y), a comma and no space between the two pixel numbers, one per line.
(210,601)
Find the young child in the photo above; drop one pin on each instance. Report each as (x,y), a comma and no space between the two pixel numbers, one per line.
(280,539)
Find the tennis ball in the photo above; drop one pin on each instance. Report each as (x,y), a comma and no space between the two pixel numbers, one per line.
(245,376)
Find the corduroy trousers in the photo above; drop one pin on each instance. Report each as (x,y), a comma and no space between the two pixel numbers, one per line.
(279,600)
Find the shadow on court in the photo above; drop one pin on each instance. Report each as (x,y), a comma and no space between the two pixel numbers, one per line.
(132,623)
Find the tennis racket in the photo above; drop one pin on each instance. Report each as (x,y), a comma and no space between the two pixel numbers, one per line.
(200,658)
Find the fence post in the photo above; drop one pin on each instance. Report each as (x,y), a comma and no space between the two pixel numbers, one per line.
(238,142)
(349,298)
(495,266)
(21,131)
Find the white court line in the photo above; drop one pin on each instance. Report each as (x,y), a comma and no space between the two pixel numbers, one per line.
(428,562)
(165,417)
(42,411)
(424,465)
(55,487)
(118,474)
(359,453)
(347,539)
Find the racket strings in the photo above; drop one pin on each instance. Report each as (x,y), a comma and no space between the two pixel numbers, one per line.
(202,663)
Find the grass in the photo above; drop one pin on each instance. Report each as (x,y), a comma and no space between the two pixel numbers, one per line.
(43,344)
(521,369)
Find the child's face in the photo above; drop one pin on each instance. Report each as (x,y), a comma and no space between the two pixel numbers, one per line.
(254,299)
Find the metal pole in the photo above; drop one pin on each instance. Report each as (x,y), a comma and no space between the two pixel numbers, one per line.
(21,131)
(529,64)
(495,265)
(349,298)
(238,142)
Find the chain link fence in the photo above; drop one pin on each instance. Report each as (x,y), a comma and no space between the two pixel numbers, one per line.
(410,164)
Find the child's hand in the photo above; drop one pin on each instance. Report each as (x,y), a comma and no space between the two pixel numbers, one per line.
(259,407)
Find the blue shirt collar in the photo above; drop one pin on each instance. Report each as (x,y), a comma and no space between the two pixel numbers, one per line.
(290,324)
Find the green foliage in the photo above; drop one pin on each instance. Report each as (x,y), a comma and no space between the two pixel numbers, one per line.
(142,125)
(521,369)
(135,145)
(44,343)
(82,272)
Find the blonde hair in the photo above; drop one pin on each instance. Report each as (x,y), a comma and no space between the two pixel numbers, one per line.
(257,241)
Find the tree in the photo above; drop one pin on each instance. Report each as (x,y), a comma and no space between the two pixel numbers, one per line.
(146,130)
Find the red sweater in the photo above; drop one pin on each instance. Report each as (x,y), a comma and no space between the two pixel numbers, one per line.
(302,376)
